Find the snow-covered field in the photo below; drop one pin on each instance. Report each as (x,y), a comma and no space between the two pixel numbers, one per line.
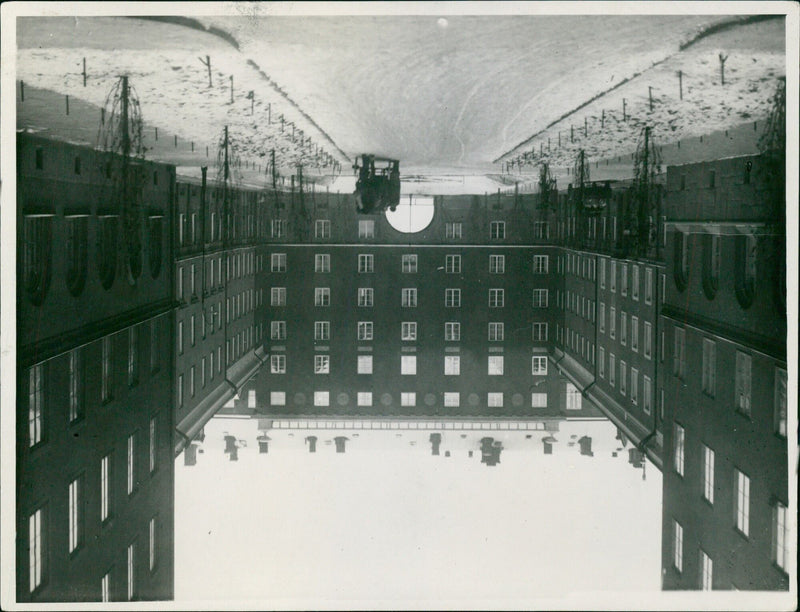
(444,100)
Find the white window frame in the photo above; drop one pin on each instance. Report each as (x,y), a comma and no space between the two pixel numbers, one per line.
(322,263)
(277,263)
(365,329)
(495,365)
(452,331)
(497,230)
(538,400)
(452,365)
(451,399)
(408,297)
(452,298)
(677,546)
(678,446)
(366,297)
(409,263)
(408,365)
(408,399)
(541,264)
(366,263)
(366,228)
(277,330)
(497,264)
(540,298)
(453,264)
(708,474)
(408,331)
(277,296)
(322,297)
(741,504)
(453,230)
(322,398)
(496,331)
(322,229)
(497,298)
(277,363)
(539,365)
(364,398)
(322,364)
(494,399)
(364,364)
(277,398)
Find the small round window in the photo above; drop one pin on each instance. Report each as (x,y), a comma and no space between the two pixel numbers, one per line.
(413,214)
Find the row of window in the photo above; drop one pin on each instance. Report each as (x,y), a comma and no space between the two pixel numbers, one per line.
(580,345)
(742,378)
(408,399)
(38,547)
(631,391)
(408,297)
(366,229)
(37,379)
(408,331)
(408,364)
(576,303)
(780,534)
(408,265)
(237,265)
(618,276)
(247,225)
(211,365)
(236,307)
(624,338)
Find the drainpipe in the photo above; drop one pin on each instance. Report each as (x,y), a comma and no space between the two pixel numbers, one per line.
(589,386)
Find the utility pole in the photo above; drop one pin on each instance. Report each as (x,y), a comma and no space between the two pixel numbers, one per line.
(680,83)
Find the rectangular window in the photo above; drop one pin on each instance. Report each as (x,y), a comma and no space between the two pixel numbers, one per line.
(539,365)
(623,377)
(277,364)
(648,339)
(647,392)
(322,263)
(366,264)
(613,275)
(540,298)
(573,397)
(648,285)
(452,298)
(623,273)
(408,365)
(452,331)
(602,317)
(278,228)
(678,446)
(75,385)
(612,369)
(635,282)
(494,400)
(321,398)
(706,572)
(75,514)
(409,264)
(322,229)
(105,488)
(497,230)
(36,552)
(409,298)
(623,328)
(279,262)
(408,330)
(495,365)
(780,536)
(35,406)
(743,382)
(742,502)
(496,298)
(601,366)
(634,385)
(277,398)
(277,330)
(540,264)
(365,331)
(453,231)
(365,398)
(153,445)
(452,365)
(366,228)
(679,354)
(133,356)
(365,297)
(612,323)
(677,545)
(155,358)
(780,402)
(539,332)
(152,543)
(538,400)
(602,273)
(496,332)
(131,571)
(322,296)
(131,463)
(105,382)
(497,264)
(453,264)
(180,391)
(451,400)
(709,379)
(708,474)
(408,399)
(365,364)
(105,587)
(634,333)
(322,364)
(278,296)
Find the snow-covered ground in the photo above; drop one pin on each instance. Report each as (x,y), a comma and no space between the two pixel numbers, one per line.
(386,520)
(444,100)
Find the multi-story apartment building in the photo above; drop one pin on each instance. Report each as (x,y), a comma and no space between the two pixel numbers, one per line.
(457,319)
(217,232)
(725,480)
(94,474)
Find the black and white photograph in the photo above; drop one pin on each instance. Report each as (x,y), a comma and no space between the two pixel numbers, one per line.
(399,305)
